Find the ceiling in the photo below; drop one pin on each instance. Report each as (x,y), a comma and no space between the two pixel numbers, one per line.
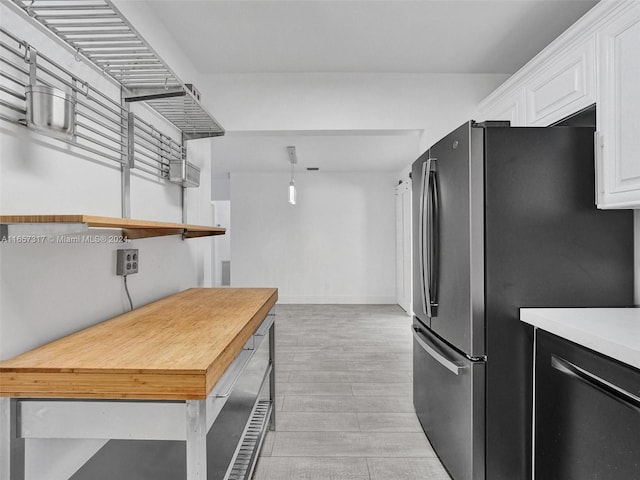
(391,36)
(355,36)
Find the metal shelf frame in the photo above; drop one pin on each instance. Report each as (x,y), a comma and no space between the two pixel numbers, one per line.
(104,125)
(99,32)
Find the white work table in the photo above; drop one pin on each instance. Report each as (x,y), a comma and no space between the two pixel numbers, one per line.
(614,332)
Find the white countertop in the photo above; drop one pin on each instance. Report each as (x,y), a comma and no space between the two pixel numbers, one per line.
(614,332)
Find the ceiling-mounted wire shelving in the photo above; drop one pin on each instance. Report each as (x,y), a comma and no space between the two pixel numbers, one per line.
(103,127)
(97,30)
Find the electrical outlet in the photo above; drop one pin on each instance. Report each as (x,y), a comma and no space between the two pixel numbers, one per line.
(127,261)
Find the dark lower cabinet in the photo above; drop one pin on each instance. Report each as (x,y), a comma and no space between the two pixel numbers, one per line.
(587,414)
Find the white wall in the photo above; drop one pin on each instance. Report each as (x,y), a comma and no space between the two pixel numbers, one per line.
(222,247)
(336,245)
(52,289)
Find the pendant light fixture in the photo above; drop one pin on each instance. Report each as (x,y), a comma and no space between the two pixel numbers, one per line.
(293,160)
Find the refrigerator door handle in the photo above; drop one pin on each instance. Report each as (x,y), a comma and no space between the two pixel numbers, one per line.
(422,235)
(432,350)
(435,239)
(429,250)
(613,391)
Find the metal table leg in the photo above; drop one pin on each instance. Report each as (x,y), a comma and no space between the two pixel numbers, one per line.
(196,440)
(11,446)
(272,379)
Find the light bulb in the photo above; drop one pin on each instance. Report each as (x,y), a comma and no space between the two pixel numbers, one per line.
(292,193)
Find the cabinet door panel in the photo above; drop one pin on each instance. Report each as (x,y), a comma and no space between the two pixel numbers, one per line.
(510,106)
(565,86)
(619,112)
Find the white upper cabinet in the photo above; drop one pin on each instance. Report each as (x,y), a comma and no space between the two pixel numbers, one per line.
(566,84)
(507,106)
(597,60)
(559,81)
(556,83)
(618,116)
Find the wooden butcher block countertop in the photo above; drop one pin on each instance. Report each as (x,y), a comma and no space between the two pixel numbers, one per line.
(175,348)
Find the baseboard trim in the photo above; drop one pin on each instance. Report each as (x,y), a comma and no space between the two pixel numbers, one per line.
(336,300)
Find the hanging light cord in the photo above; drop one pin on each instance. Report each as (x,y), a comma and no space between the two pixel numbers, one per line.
(126,289)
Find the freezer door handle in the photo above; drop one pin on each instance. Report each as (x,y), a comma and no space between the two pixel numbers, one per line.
(433,351)
(594,381)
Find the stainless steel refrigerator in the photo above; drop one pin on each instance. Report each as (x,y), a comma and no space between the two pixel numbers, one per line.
(504,218)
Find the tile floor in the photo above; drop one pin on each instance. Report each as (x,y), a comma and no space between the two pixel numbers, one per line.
(344,398)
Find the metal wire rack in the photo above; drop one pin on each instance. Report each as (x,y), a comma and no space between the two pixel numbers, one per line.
(248,450)
(103,126)
(99,119)
(98,31)
(153,151)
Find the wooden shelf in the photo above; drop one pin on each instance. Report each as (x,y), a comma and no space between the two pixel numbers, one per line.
(176,348)
(131,228)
